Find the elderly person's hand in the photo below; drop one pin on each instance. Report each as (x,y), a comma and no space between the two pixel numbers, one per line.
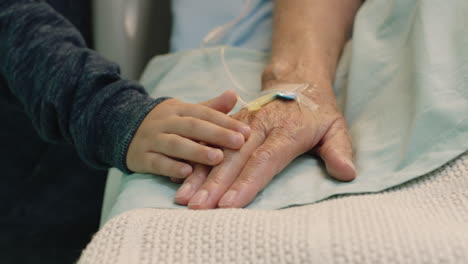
(308,38)
(281,131)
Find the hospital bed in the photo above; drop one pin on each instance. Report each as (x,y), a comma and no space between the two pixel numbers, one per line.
(424,220)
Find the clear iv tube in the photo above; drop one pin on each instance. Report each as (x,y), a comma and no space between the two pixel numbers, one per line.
(220,31)
(229,73)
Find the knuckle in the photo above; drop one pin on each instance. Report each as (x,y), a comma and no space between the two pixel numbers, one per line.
(216,180)
(285,135)
(191,123)
(259,124)
(170,121)
(196,179)
(247,181)
(253,184)
(262,155)
(172,144)
(268,118)
(203,112)
(291,124)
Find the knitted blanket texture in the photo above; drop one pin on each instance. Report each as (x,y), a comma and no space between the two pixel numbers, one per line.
(422,221)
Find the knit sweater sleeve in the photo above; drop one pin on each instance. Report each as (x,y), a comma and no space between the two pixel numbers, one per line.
(71,94)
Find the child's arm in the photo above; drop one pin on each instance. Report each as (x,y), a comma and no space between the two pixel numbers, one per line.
(71,94)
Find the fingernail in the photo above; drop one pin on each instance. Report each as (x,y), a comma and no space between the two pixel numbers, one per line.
(228,199)
(349,163)
(215,155)
(185,171)
(237,139)
(199,198)
(184,190)
(347,176)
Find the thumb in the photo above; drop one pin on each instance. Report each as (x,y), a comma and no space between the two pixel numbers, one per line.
(223,103)
(337,153)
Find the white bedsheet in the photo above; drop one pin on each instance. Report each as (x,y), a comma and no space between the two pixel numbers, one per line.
(402,84)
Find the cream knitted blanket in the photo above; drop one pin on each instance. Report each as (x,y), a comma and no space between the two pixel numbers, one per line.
(423,221)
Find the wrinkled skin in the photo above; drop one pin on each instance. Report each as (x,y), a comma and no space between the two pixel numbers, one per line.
(281,131)
(308,37)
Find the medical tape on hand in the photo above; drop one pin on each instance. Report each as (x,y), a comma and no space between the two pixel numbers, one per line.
(284,91)
(287,92)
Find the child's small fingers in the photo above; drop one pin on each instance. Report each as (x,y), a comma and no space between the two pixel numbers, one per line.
(223,103)
(204,131)
(215,117)
(182,148)
(160,164)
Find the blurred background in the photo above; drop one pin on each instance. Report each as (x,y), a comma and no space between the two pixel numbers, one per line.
(50,200)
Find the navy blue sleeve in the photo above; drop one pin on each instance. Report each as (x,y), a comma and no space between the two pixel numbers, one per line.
(71,94)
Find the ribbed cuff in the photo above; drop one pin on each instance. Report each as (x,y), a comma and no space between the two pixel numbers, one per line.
(122,116)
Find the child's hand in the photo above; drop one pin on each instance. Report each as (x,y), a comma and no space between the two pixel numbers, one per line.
(171,132)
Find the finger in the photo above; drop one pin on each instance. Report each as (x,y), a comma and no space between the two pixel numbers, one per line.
(191,184)
(222,176)
(201,130)
(215,117)
(176,180)
(182,148)
(223,103)
(159,164)
(336,151)
(267,161)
